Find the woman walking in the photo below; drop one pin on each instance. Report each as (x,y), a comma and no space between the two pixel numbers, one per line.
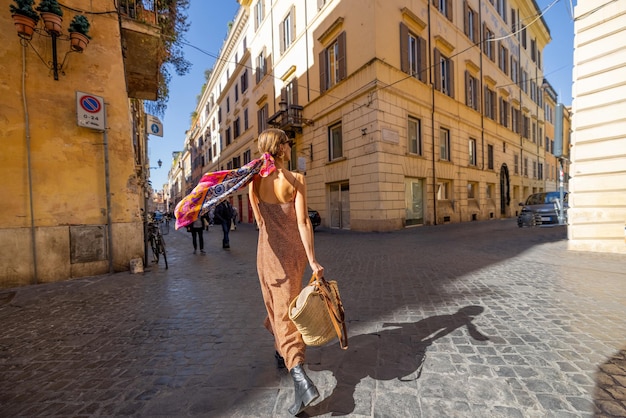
(285,245)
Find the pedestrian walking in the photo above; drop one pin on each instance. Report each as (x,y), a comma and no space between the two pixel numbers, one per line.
(235,217)
(224,215)
(196,229)
(285,244)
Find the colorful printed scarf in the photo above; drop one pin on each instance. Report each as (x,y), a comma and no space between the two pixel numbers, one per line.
(216,187)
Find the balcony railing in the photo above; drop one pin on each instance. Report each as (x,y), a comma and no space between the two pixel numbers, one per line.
(289,119)
(141,47)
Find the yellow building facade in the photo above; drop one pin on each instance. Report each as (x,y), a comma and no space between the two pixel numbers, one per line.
(72,170)
(403,113)
(597,214)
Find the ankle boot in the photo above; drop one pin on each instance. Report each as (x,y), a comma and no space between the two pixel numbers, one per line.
(305,390)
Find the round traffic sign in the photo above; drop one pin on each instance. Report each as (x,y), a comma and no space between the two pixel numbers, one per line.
(90,104)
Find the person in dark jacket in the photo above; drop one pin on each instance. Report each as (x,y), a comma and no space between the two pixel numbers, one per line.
(224,216)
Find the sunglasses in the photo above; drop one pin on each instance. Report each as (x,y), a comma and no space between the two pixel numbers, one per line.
(291,143)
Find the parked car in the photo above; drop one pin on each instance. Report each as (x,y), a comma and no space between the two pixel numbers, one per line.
(315,218)
(542,209)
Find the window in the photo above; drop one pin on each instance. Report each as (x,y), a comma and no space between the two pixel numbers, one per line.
(503,58)
(236,162)
(219,115)
(236,128)
(488,47)
(287,30)
(526,127)
(490,103)
(247,157)
(501,8)
(445,7)
(514,71)
(516,120)
(470,24)
(415,136)
(472,152)
(504,112)
(262,116)
(526,166)
(489,190)
(490,157)
(413,54)
(444,144)
(261,66)
(533,50)
(228,105)
(524,38)
(228,136)
(333,63)
(236,93)
(534,169)
(444,190)
(540,171)
(244,81)
(289,93)
(259,14)
(533,133)
(444,74)
(472,190)
(335,142)
(516,163)
(246,123)
(524,81)
(472,92)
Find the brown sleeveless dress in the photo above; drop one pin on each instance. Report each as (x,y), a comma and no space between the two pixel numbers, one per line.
(281,261)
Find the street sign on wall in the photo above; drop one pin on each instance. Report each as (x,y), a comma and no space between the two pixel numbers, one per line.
(154,126)
(90,111)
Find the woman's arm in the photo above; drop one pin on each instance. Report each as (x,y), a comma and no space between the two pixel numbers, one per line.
(304,225)
(254,201)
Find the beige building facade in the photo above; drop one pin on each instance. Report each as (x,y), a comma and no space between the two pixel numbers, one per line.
(597,214)
(73,173)
(403,113)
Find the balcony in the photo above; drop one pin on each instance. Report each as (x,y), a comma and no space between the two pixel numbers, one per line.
(141,46)
(289,119)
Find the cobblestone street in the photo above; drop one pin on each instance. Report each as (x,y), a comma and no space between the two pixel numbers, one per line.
(480,319)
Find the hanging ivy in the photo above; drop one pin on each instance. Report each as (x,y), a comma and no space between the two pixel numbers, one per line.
(172,19)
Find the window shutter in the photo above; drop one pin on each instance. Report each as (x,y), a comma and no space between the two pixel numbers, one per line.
(320,4)
(341,59)
(283,95)
(256,18)
(292,20)
(449,10)
(423,63)
(437,67)
(323,66)
(451,77)
(484,38)
(468,92)
(476,29)
(259,121)
(294,89)
(465,17)
(281,36)
(404,48)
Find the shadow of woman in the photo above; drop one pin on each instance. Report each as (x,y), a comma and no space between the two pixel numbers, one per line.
(396,352)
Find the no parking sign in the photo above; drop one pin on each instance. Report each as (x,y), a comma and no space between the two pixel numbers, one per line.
(90,111)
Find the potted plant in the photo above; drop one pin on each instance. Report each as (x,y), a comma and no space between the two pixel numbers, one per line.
(52,15)
(79,29)
(25,17)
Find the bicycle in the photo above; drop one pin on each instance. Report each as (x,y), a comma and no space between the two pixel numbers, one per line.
(157,243)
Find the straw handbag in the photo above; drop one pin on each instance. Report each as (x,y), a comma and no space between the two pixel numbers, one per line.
(318,313)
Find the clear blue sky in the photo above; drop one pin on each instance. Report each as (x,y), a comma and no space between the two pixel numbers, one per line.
(208,29)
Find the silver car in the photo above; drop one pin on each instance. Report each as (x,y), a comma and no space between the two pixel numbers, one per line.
(543,209)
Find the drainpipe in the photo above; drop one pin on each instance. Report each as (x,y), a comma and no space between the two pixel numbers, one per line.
(108,190)
(432,118)
(28,165)
(482,91)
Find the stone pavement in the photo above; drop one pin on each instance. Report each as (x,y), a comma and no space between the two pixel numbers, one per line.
(480,319)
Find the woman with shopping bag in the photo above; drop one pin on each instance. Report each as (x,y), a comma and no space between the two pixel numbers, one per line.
(285,245)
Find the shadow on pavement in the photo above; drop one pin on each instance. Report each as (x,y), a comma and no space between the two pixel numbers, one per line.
(396,352)
(610,392)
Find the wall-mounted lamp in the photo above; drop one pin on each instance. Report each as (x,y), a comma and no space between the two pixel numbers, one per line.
(160,163)
(26,19)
